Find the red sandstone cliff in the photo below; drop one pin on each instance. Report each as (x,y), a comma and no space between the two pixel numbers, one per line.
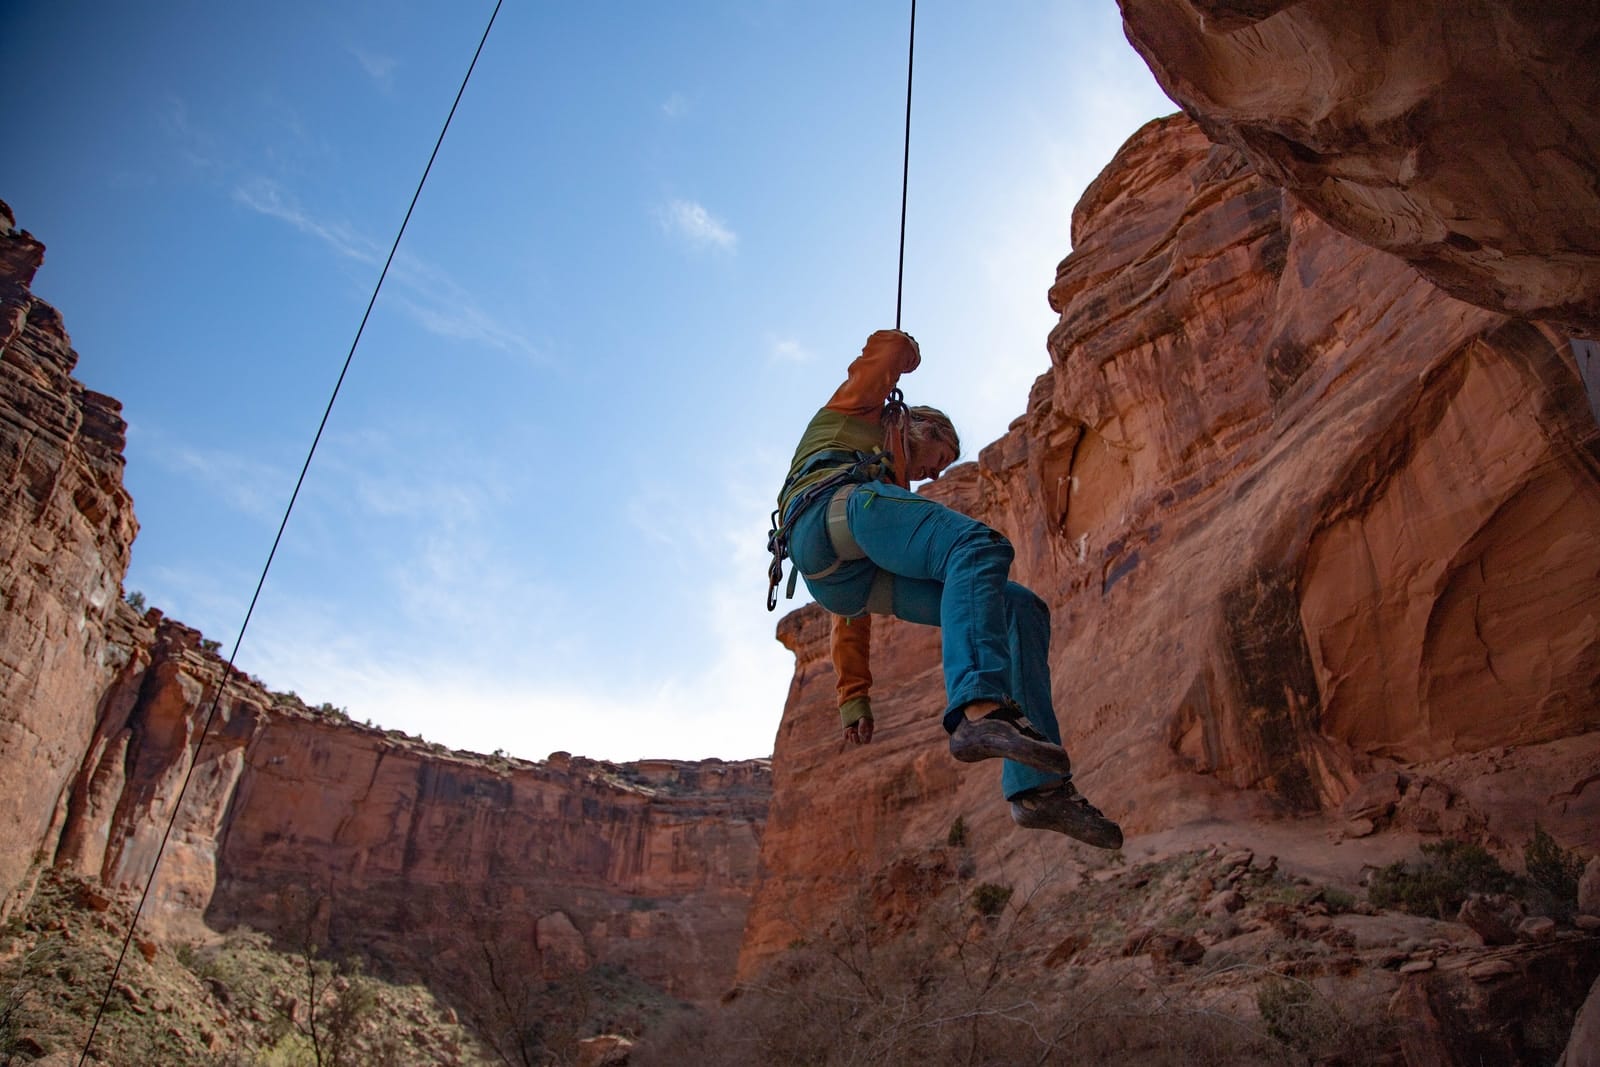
(1301,518)
(299,822)
(1461,135)
(66,526)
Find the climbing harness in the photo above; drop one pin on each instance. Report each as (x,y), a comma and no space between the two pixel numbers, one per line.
(854,468)
(863,467)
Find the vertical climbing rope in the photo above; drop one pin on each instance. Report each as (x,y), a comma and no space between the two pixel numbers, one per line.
(211,714)
(905,169)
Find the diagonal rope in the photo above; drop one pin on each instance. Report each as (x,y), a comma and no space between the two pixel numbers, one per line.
(905,169)
(276,541)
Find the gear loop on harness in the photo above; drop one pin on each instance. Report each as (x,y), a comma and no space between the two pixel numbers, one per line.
(864,469)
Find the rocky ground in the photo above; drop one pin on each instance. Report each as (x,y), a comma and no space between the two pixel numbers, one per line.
(1173,953)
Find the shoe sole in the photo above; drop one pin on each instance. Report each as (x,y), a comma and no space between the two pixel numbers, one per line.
(995,740)
(1101,832)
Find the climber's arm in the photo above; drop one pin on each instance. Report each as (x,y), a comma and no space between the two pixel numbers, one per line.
(852,654)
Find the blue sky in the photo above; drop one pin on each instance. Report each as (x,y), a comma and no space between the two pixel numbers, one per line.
(653,238)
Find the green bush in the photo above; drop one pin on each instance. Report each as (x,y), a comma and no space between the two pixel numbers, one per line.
(990,899)
(1440,881)
(1552,868)
(1339,901)
(958,833)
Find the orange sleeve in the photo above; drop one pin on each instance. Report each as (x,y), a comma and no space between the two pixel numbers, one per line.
(852,656)
(886,355)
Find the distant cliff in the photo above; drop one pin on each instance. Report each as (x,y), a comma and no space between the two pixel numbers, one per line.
(299,822)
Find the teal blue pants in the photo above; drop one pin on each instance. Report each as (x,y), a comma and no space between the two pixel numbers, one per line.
(950,571)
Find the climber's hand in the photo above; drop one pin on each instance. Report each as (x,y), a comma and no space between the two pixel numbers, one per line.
(860,731)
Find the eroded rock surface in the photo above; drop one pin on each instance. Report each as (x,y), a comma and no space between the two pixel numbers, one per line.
(66,526)
(300,823)
(1461,136)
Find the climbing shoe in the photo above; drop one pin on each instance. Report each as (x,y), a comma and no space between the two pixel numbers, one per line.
(1065,810)
(1005,734)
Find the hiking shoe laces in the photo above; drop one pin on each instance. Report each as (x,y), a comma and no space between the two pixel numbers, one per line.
(1066,811)
(1005,734)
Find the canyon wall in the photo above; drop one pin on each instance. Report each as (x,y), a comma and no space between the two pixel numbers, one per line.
(66,527)
(1317,539)
(301,823)
(1461,135)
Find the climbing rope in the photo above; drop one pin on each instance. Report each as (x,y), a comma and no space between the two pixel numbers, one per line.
(905,168)
(895,410)
(276,541)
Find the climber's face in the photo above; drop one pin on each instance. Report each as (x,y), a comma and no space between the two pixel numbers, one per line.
(929,457)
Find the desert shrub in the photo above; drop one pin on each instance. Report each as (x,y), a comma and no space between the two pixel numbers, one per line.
(1295,1015)
(1312,1028)
(1552,868)
(957,837)
(990,899)
(1440,881)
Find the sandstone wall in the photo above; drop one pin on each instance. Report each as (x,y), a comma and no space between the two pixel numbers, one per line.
(1462,135)
(66,525)
(422,859)
(1300,517)
(303,824)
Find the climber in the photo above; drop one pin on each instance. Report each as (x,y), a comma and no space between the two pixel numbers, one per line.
(867,545)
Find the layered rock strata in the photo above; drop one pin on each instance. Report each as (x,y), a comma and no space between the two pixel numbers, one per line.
(1461,135)
(1301,518)
(66,526)
(305,825)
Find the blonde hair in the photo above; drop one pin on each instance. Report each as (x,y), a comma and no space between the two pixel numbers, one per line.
(904,424)
(931,422)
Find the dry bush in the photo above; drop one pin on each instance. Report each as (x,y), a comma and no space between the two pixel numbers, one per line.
(531,1009)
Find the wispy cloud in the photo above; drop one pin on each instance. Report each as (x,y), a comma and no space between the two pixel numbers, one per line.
(490,657)
(675,106)
(434,300)
(249,486)
(463,322)
(787,350)
(698,226)
(379,68)
(194,145)
(520,684)
(267,197)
